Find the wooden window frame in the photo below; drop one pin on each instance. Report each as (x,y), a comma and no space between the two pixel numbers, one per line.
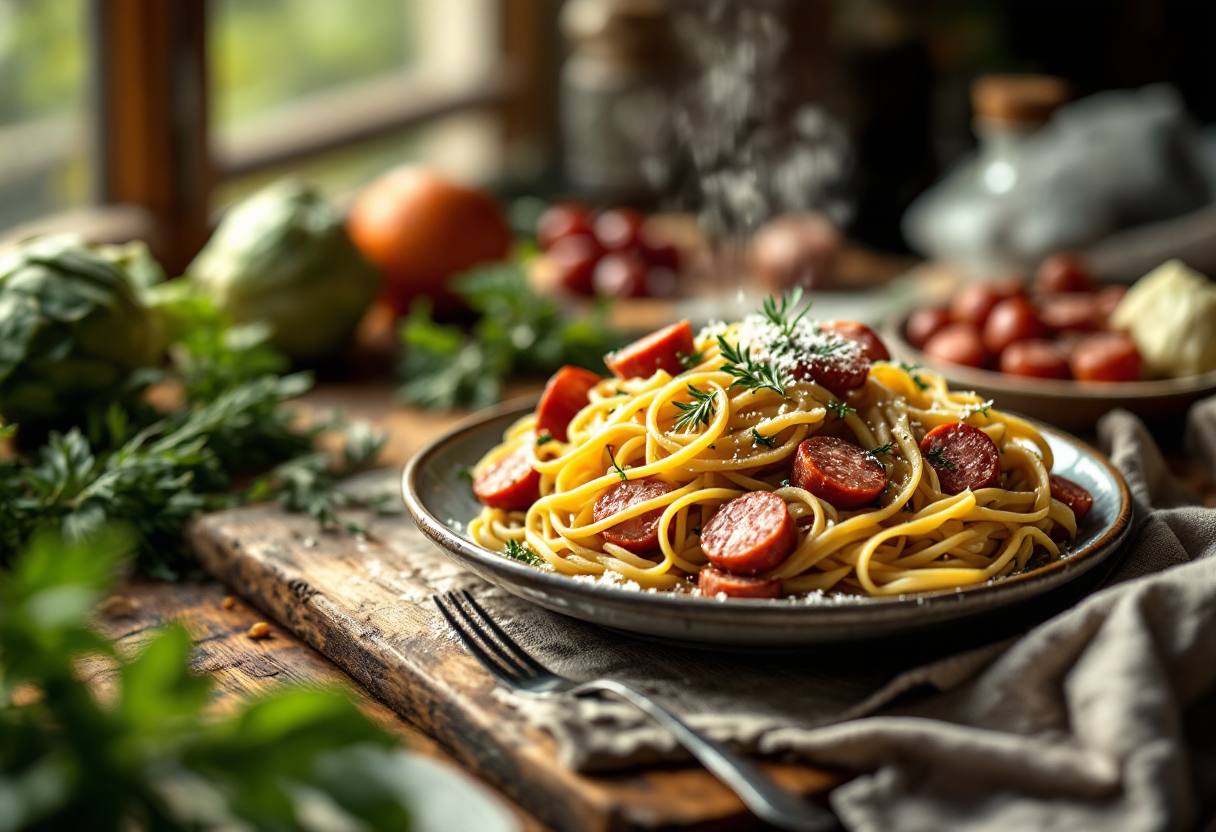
(157,162)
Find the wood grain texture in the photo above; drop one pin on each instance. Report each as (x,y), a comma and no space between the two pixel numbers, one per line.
(366,605)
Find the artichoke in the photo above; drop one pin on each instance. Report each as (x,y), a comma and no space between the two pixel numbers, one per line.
(283,256)
(72,330)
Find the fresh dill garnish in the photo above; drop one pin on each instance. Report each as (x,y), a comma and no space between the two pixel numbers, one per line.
(761,439)
(520,552)
(543,438)
(465,474)
(937,457)
(840,409)
(620,472)
(690,361)
(697,412)
(779,316)
(911,369)
(747,371)
(882,449)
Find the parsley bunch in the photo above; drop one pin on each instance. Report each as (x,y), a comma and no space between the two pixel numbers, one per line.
(148,758)
(517,332)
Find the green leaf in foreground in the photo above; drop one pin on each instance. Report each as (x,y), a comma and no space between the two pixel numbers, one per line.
(522,553)
(147,756)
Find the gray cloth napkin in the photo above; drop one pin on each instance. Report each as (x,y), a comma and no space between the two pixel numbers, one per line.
(1102,718)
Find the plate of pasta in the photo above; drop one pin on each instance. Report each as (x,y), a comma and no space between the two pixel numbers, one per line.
(774,481)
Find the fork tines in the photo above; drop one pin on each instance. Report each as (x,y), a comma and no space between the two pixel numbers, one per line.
(496,650)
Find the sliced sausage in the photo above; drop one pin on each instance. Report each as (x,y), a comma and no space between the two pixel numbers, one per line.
(509,482)
(959,343)
(713,581)
(637,534)
(839,372)
(924,323)
(750,534)
(1106,356)
(1011,320)
(657,351)
(1072,495)
(1071,311)
(871,345)
(838,472)
(1062,272)
(1036,358)
(564,396)
(964,457)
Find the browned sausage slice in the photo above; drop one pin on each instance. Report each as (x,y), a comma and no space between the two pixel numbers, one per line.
(657,351)
(1072,495)
(838,472)
(840,370)
(871,345)
(750,534)
(509,483)
(713,581)
(964,457)
(564,396)
(637,534)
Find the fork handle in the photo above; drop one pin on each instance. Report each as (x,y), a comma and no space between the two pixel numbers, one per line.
(759,793)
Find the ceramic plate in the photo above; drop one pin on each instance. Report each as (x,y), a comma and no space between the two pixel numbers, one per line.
(442,504)
(1073,405)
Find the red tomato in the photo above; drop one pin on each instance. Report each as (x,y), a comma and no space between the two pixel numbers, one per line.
(618,229)
(1035,358)
(973,303)
(1013,319)
(657,251)
(923,323)
(1106,300)
(562,220)
(1106,356)
(1070,310)
(574,259)
(1062,272)
(620,274)
(959,343)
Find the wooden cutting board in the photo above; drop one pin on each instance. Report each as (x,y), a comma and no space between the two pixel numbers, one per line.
(365,604)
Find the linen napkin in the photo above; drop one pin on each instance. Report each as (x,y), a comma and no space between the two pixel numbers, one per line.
(1103,717)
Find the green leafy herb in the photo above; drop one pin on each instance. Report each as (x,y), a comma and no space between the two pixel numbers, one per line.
(543,439)
(518,332)
(882,449)
(840,409)
(147,755)
(760,439)
(747,372)
(780,315)
(937,457)
(696,530)
(700,411)
(911,369)
(620,472)
(523,553)
(690,361)
(465,474)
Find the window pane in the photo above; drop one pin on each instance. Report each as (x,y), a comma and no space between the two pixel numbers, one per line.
(266,53)
(44,163)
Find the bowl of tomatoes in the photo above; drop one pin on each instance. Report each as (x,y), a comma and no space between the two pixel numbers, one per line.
(1044,348)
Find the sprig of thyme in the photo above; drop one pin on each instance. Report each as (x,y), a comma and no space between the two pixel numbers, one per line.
(911,369)
(747,372)
(766,441)
(882,449)
(620,472)
(697,412)
(779,315)
(840,409)
(522,553)
(937,457)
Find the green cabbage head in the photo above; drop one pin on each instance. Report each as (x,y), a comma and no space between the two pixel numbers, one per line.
(73,331)
(283,256)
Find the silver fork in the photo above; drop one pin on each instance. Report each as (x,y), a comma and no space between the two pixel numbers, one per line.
(513,667)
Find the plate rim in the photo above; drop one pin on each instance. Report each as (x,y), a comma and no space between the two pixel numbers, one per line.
(1008,591)
(1046,388)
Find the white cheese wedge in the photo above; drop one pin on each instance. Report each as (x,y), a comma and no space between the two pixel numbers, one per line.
(1171,315)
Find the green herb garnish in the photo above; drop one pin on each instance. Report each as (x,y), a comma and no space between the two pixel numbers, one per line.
(700,411)
(779,316)
(840,409)
(465,474)
(690,361)
(747,372)
(937,457)
(761,439)
(543,439)
(911,369)
(620,472)
(882,449)
(522,553)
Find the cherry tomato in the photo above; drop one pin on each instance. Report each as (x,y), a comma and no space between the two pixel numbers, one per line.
(574,259)
(1035,358)
(657,251)
(1106,300)
(973,303)
(1069,310)
(923,323)
(620,274)
(1013,319)
(618,228)
(1062,272)
(1106,356)
(959,343)
(562,220)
